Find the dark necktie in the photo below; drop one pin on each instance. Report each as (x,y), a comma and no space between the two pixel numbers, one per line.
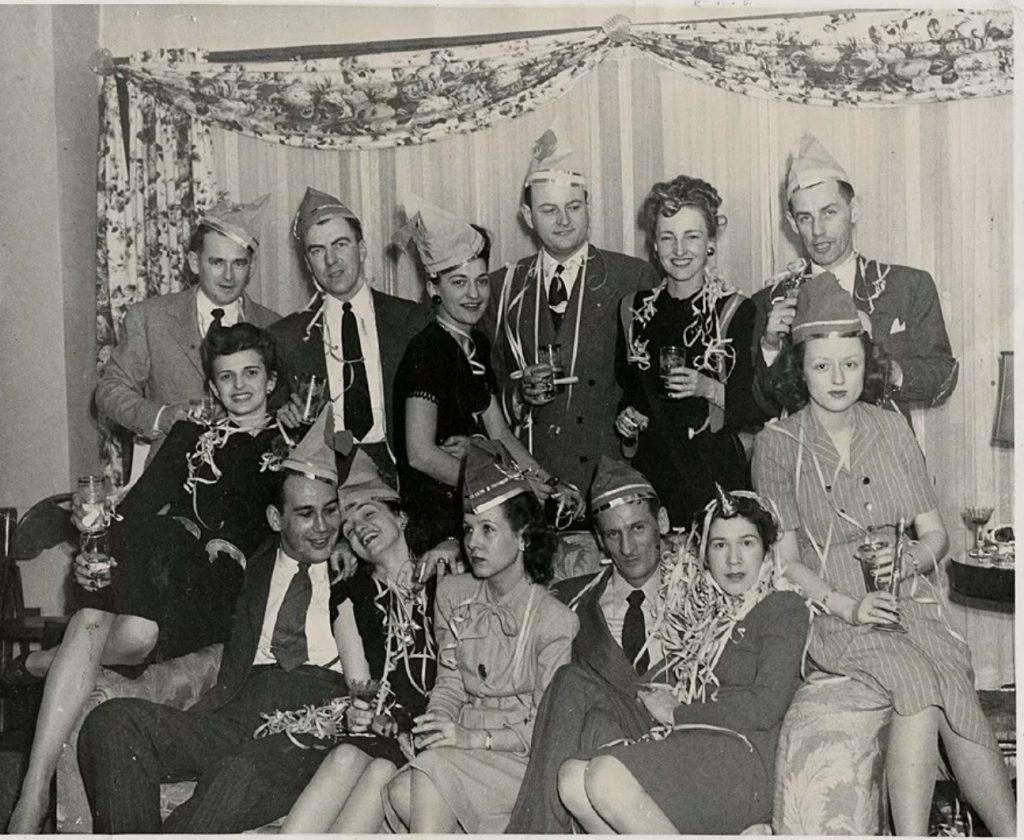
(358,411)
(634,631)
(288,643)
(558,297)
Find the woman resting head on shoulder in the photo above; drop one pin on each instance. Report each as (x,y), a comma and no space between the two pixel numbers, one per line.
(733,650)
(501,635)
(848,475)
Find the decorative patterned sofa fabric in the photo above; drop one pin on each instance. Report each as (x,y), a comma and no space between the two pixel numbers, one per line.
(177,682)
(830,761)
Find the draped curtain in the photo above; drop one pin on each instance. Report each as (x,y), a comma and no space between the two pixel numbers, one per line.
(642,104)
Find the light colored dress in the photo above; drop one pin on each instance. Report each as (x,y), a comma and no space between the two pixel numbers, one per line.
(495,658)
(830,506)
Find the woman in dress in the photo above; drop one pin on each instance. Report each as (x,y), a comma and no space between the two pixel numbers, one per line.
(501,635)
(733,651)
(180,538)
(841,470)
(683,434)
(385,641)
(445,380)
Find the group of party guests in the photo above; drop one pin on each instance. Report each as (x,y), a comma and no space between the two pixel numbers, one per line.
(460,708)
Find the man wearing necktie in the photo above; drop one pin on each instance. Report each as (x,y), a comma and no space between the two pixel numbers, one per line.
(351,334)
(281,655)
(593,699)
(155,371)
(566,294)
(900,304)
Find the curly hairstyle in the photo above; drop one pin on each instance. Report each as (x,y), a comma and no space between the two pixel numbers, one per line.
(223,341)
(525,513)
(790,389)
(666,198)
(749,509)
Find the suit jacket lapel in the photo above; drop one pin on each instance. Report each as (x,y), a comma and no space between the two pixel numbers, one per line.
(184,329)
(594,642)
(390,353)
(259,592)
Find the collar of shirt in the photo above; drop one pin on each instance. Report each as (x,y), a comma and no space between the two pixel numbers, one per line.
(845,272)
(369,343)
(233,312)
(572,264)
(613,606)
(323,650)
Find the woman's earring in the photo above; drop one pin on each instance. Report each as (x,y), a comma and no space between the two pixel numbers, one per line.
(711,250)
(435,299)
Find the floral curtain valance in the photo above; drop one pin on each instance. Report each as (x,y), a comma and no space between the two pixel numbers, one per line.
(405,97)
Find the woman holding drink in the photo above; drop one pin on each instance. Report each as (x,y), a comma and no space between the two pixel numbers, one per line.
(684,364)
(845,475)
(445,383)
(180,539)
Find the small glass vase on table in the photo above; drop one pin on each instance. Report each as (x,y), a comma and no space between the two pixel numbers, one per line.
(976,517)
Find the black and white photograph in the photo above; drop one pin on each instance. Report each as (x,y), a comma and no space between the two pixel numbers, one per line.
(452,418)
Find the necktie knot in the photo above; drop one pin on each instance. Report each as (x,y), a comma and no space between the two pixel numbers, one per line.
(636,598)
(346,307)
(217,313)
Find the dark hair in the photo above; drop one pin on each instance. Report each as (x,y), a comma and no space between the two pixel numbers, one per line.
(483,254)
(524,513)
(845,190)
(223,341)
(528,195)
(789,387)
(357,226)
(667,198)
(751,510)
(196,244)
(277,499)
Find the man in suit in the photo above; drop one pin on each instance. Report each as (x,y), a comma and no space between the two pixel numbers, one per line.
(351,334)
(593,700)
(281,655)
(155,369)
(567,294)
(899,303)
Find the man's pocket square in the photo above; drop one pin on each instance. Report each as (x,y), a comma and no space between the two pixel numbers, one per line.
(897,327)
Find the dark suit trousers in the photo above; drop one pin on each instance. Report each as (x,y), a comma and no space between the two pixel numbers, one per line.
(127,747)
(581,712)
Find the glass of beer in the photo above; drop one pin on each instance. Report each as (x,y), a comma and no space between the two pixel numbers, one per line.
(95,548)
(551,354)
(669,358)
(92,494)
(879,563)
(312,391)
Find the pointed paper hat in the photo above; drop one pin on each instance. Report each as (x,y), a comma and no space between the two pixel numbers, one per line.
(364,484)
(442,240)
(312,457)
(824,308)
(491,476)
(315,207)
(811,164)
(552,161)
(238,222)
(617,484)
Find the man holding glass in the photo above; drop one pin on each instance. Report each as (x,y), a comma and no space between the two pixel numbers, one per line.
(154,376)
(900,304)
(556,321)
(351,336)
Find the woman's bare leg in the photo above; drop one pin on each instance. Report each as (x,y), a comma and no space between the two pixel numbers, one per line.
(911,758)
(621,802)
(92,637)
(399,794)
(431,813)
(327,793)
(572,790)
(364,811)
(984,781)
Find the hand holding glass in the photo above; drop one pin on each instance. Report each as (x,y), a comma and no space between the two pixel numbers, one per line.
(878,563)
(670,360)
(312,392)
(551,354)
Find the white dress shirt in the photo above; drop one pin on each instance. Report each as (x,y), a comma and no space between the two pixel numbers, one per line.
(233,312)
(613,606)
(362,308)
(845,272)
(323,650)
(570,274)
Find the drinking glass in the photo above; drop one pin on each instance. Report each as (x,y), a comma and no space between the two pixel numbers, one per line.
(878,578)
(977,517)
(204,409)
(95,547)
(551,354)
(92,493)
(312,391)
(669,358)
